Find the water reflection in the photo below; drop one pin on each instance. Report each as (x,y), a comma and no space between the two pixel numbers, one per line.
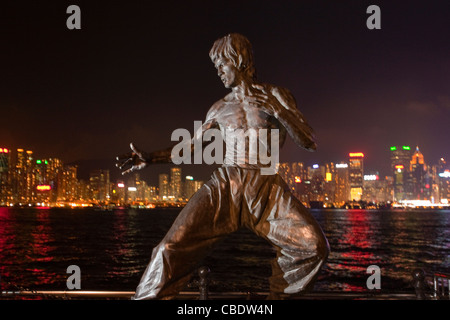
(396,241)
(113,248)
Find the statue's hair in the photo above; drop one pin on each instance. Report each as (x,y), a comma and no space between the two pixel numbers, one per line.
(236,48)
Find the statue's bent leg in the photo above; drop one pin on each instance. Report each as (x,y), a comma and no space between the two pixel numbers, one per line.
(301,245)
(202,222)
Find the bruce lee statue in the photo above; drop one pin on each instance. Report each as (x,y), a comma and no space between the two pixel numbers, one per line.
(238,194)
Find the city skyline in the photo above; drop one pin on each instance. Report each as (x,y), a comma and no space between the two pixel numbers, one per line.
(27,178)
(204,170)
(135,72)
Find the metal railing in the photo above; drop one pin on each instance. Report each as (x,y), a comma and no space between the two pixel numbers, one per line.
(441,286)
(438,289)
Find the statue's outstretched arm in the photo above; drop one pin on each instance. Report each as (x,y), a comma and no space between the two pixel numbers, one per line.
(138,159)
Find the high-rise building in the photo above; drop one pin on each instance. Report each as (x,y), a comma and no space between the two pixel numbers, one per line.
(5,177)
(420,189)
(330,183)
(400,168)
(68,184)
(444,181)
(99,183)
(84,190)
(295,175)
(342,185)
(54,168)
(299,172)
(23,191)
(315,190)
(163,186)
(356,173)
(189,187)
(175,183)
(42,187)
(376,189)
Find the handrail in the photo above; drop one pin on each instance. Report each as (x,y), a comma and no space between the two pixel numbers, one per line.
(422,291)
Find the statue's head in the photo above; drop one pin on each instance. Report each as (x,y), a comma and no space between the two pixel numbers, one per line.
(235,48)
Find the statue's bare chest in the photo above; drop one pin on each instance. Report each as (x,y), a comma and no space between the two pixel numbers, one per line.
(235,115)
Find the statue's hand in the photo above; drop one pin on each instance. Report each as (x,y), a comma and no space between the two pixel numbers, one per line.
(260,97)
(132,161)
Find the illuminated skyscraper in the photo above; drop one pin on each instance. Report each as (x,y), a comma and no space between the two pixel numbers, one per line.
(420,187)
(41,185)
(163,186)
(316,176)
(330,183)
(175,183)
(376,189)
(189,187)
(54,169)
(400,168)
(99,183)
(342,189)
(444,181)
(68,184)
(5,177)
(356,173)
(24,181)
(295,175)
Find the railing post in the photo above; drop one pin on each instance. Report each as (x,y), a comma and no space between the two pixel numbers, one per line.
(419,283)
(203,273)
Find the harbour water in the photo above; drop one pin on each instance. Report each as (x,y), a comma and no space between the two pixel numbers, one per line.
(112,248)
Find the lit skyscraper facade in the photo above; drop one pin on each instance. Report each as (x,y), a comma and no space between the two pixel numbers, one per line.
(68,184)
(420,182)
(5,177)
(356,173)
(189,187)
(342,186)
(23,191)
(400,168)
(175,183)
(443,180)
(163,186)
(330,183)
(99,183)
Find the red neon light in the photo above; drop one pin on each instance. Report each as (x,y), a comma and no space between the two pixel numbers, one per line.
(44,187)
(356,155)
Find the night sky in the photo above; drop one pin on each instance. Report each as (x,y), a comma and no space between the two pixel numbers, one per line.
(137,70)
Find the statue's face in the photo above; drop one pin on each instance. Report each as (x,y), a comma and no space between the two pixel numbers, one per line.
(227,72)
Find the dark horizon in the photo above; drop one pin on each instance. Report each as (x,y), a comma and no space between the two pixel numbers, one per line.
(137,71)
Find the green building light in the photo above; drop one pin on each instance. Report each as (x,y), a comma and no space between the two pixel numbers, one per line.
(38,161)
(393,148)
(406,148)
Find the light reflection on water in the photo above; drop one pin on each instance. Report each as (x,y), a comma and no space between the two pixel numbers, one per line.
(112,249)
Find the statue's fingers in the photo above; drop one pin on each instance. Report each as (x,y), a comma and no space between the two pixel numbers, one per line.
(124,156)
(135,149)
(127,171)
(120,165)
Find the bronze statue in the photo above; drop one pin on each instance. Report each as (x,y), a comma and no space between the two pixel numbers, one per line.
(238,194)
